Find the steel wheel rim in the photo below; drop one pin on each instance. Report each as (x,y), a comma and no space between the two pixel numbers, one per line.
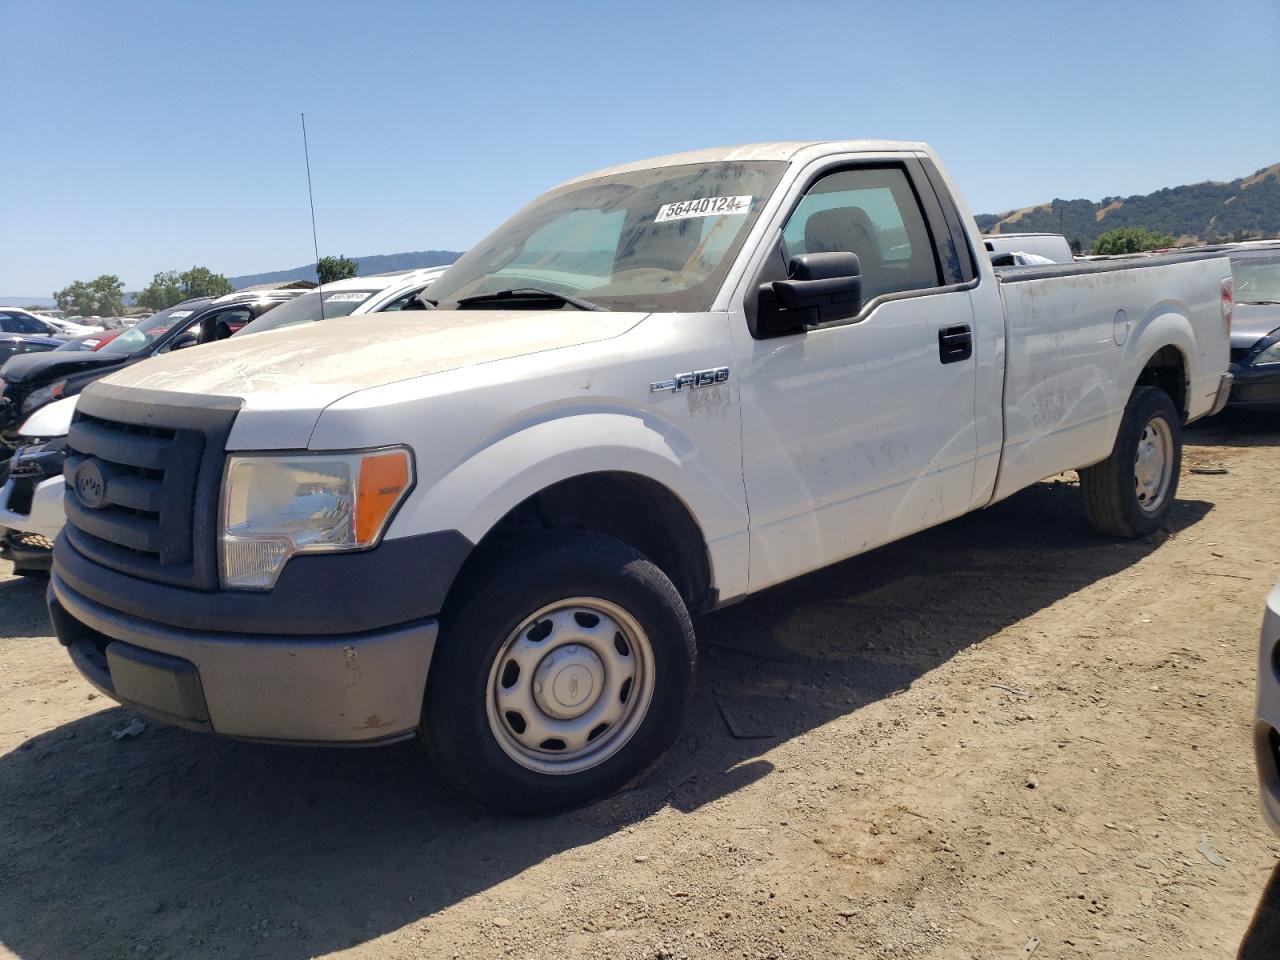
(570,686)
(1153,464)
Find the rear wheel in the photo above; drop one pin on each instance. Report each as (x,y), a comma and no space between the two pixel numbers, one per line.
(1130,493)
(562,674)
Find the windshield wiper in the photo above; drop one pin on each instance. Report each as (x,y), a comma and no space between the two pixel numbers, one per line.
(528,293)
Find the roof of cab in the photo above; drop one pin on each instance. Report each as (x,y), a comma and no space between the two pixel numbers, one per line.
(786,150)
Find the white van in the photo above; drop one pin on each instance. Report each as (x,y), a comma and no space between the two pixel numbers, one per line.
(1051,245)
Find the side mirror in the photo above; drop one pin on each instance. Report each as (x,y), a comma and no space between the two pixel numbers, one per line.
(188,338)
(819,287)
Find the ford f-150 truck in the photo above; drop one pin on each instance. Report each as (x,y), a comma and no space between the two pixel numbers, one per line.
(655,390)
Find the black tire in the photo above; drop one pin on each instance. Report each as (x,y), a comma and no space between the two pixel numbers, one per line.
(1111,500)
(527,575)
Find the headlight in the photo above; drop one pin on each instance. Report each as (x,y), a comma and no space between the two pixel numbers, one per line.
(1269,355)
(276,506)
(45,395)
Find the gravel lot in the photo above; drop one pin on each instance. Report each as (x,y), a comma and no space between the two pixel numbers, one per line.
(1003,738)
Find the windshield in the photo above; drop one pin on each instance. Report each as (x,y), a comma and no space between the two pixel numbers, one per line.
(660,239)
(1256,278)
(147,332)
(305,308)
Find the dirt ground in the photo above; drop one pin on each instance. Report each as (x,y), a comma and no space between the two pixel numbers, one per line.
(1003,738)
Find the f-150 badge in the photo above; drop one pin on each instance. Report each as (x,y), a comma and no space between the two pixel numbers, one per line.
(692,380)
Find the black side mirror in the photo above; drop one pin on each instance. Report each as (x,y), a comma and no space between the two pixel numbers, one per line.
(819,287)
(188,338)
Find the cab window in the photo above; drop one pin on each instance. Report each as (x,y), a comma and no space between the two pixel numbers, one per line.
(874,213)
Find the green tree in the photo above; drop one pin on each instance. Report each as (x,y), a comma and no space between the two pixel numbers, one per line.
(329,269)
(1130,240)
(1077,247)
(163,291)
(169,287)
(203,282)
(103,297)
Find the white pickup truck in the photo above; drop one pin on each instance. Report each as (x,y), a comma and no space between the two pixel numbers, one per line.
(655,390)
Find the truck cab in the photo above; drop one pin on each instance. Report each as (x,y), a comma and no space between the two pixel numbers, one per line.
(656,389)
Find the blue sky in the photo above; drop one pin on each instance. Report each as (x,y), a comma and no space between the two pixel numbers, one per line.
(149,136)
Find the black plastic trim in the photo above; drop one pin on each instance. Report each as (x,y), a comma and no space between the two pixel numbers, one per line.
(397,582)
(955,223)
(1047,271)
(24,557)
(168,685)
(178,545)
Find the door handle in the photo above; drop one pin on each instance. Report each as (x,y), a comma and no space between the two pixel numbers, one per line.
(955,343)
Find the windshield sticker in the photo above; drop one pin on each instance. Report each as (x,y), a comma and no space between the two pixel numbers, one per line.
(703,207)
(180,314)
(356,297)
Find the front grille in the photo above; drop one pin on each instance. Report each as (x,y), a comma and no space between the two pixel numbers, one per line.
(22,467)
(21,494)
(142,484)
(29,541)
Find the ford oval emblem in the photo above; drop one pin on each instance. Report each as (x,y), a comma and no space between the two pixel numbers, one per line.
(91,485)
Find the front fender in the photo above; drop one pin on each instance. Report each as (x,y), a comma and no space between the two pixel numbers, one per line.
(478,491)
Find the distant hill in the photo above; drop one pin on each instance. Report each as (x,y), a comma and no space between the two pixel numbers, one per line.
(1200,212)
(18,300)
(382,263)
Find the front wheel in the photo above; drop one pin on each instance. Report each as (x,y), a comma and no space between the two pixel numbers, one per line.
(562,674)
(1129,493)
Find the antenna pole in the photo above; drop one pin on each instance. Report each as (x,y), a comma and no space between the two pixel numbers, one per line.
(311,199)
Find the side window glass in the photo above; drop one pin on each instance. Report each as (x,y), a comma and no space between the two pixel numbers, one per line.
(403,302)
(7,324)
(224,324)
(873,212)
(20,324)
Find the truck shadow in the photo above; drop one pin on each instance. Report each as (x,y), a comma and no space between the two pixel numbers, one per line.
(1262,939)
(23,597)
(173,844)
(1236,428)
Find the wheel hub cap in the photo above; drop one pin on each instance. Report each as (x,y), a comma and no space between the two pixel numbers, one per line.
(568,682)
(1153,465)
(570,686)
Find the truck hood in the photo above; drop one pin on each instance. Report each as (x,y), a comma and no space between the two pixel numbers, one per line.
(1250,322)
(36,368)
(287,377)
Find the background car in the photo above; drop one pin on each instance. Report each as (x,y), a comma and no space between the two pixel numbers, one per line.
(1255,326)
(12,344)
(31,487)
(17,320)
(355,295)
(1052,246)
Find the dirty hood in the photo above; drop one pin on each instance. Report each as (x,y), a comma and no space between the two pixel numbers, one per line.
(286,377)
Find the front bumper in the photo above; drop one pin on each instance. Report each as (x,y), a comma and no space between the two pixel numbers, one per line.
(1255,388)
(43,516)
(318,689)
(1267,728)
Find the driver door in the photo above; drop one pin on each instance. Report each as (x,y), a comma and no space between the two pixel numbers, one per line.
(861,430)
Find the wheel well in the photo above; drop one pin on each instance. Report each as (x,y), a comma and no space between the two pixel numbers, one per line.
(1167,370)
(634,509)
